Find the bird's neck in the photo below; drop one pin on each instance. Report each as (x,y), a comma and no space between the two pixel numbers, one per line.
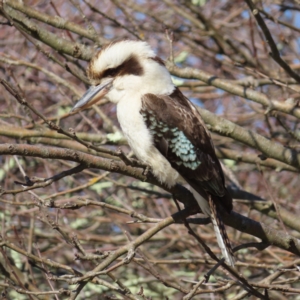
(156,79)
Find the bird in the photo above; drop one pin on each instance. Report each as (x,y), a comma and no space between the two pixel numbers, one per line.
(163,128)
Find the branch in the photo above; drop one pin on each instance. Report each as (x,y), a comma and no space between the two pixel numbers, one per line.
(235,89)
(250,138)
(252,158)
(51,137)
(22,133)
(235,220)
(54,41)
(14,92)
(269,39)
(56,21)
(48,262)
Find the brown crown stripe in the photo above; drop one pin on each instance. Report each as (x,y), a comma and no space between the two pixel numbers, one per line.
(131,66)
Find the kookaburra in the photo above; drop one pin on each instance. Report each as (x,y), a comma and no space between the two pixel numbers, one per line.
(163,128)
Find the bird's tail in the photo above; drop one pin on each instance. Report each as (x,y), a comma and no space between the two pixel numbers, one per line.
(221,233)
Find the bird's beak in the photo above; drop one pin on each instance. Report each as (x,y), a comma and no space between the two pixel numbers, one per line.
(92,96)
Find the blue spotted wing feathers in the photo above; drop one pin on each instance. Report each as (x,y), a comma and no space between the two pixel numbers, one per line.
(180,134)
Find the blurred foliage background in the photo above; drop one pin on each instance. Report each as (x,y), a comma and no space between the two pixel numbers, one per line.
(239,60)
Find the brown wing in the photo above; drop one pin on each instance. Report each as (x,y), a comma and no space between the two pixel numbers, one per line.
(180,134)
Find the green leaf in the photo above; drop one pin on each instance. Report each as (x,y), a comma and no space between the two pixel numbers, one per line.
(181,57)
(79,223)
(63,110)
(114,137)
(229,162)
(177,81)
(98,187)
(199,2)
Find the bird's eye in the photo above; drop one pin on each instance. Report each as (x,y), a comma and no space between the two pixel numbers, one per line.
(110,72)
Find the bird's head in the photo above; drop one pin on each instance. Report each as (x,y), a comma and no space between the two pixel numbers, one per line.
(122,70)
